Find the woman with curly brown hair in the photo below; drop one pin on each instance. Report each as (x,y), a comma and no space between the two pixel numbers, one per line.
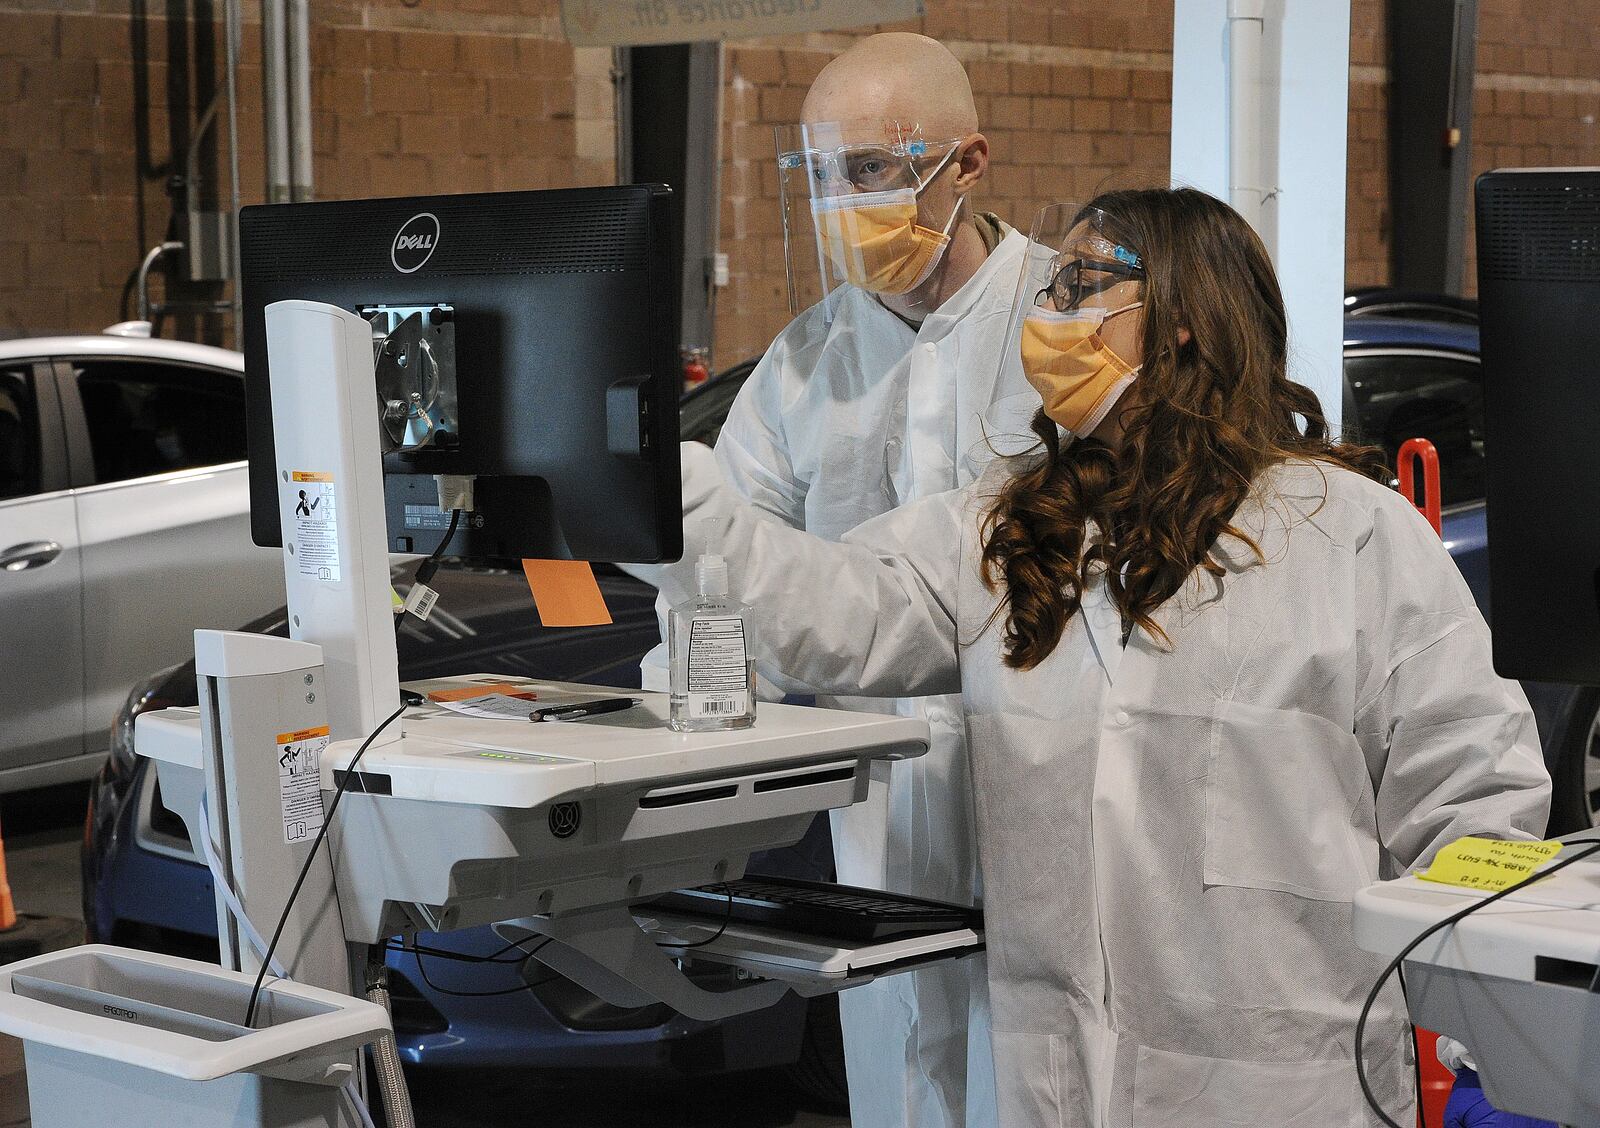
(1216,679)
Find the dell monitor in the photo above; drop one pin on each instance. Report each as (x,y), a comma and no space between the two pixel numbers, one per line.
(1538,233)
(526,341)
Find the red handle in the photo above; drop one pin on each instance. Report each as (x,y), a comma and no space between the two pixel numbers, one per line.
(1410,451)
(1436,1079)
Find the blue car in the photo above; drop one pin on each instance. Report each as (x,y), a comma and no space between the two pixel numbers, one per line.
(1411,365)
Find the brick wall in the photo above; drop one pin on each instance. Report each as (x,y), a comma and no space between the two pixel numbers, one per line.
(1067,98)
(1536,102)
(409,97)
(415,96)
(1070,98)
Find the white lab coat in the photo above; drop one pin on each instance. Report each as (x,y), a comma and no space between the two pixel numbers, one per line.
(839,423)
(1170,843)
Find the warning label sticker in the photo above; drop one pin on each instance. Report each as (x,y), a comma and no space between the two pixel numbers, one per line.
(719,669)
(300,782)
(316,524)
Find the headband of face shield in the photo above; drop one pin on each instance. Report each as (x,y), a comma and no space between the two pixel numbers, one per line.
(1072,264)
(850,200)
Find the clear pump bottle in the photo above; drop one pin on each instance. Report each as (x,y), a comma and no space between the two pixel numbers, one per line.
(711,650)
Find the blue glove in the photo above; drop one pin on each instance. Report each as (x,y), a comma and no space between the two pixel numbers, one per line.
(1469,1108)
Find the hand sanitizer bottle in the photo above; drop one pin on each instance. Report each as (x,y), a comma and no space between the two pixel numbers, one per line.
(711,650)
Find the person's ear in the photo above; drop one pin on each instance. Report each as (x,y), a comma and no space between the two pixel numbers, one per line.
(1184,336)
(972,162)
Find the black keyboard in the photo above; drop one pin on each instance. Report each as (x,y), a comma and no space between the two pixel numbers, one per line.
(815,909)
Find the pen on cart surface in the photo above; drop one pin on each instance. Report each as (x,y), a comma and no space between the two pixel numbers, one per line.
(584,709)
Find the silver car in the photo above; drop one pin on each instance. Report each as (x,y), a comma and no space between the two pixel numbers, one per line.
(124,525)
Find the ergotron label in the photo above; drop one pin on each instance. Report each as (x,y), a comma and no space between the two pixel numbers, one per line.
(719,669)
(316,524)
(300,782)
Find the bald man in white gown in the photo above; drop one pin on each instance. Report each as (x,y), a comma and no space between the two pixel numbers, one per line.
(847,416)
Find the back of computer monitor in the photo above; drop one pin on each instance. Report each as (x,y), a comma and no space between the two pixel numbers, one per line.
(1538,236)
(556,312)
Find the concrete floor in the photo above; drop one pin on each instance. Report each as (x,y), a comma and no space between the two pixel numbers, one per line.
(43,830)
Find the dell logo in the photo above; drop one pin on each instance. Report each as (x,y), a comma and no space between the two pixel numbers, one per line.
(415,242)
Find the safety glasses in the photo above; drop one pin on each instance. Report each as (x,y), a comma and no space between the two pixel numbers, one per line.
(1078,279)
(866,168)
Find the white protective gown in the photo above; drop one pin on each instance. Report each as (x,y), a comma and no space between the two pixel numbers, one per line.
(840,423)
(1171,840)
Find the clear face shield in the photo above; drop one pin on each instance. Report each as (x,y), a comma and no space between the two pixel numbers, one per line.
(1077,274)
(854,212)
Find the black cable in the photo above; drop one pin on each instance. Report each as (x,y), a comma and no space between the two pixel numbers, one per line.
(426,570)
(327,821)
(523,963)
(430,565)
(1394,964)
(459,957)
(727,917)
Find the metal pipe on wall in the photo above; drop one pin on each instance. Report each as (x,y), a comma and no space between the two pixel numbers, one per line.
(299,98)
(233,30)
(1247,187)
(275,99)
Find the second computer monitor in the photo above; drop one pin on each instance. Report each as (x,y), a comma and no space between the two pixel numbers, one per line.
(1538,237)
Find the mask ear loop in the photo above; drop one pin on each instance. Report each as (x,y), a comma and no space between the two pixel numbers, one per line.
(937,169)
(922,185)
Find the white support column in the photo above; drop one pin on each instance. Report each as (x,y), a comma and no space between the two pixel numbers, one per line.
(330,491)
(264,726)
(1260,103)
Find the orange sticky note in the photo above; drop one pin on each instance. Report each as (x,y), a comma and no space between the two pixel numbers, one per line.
(466,693)
(566,593)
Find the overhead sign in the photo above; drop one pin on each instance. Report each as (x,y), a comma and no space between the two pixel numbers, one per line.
(632,23)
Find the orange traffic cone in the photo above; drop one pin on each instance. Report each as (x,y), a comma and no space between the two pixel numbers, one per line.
(8,910)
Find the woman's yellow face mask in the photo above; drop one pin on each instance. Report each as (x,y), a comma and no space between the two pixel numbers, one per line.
(1079,377)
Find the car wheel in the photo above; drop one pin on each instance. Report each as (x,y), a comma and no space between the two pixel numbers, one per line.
(1575,803)
(819,1073)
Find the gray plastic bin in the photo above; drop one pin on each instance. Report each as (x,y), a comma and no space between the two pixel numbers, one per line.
(117,1036)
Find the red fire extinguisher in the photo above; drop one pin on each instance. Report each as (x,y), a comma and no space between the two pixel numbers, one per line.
(695,371)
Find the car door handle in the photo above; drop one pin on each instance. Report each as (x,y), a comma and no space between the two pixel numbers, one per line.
(30,554)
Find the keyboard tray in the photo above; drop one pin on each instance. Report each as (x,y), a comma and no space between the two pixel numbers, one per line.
(811,963)
(814,908)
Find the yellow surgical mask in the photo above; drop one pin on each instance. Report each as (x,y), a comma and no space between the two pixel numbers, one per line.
(873,240)
(1076,375)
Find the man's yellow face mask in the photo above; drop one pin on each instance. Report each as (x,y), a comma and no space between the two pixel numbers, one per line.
(873,239)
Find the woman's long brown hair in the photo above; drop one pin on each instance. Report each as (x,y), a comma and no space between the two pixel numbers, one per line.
(1200,423)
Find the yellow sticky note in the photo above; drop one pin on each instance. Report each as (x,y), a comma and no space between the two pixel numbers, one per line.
(566,593)
(1488,863)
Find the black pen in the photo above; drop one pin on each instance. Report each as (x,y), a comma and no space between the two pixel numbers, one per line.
(584,709)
